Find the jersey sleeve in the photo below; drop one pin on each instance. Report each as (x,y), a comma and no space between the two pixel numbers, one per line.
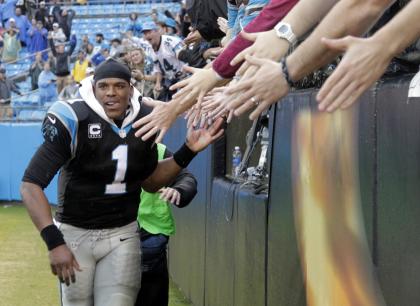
(54,152)
(64,113)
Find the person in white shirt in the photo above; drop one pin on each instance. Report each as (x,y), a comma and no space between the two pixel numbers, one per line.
(57,34)
(167,66)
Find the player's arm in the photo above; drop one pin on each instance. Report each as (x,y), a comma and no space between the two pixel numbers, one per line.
(167,169)
(46,162)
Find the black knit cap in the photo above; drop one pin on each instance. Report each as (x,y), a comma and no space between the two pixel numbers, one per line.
(112,69)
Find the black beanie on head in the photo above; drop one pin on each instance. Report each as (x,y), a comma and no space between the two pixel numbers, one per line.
(112,69)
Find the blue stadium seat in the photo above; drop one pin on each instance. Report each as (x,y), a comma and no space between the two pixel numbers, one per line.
(38,115)
(24,114)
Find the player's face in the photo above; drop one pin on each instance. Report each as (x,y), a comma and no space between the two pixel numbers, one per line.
(114,95)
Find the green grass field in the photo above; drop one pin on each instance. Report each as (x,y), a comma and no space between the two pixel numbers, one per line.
(25,277)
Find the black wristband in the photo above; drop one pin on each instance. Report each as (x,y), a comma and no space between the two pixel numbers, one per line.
(184,156)
(52,236)
(285,71)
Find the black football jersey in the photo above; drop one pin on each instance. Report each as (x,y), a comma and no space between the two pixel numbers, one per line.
(102,166)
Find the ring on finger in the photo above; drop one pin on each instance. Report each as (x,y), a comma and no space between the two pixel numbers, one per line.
(255,101)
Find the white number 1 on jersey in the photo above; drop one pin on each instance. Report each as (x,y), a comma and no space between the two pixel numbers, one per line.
(119,154)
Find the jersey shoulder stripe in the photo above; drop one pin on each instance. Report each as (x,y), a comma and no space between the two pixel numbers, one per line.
(65,113)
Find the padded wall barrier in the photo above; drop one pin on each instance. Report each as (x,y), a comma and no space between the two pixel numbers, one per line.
(19,141)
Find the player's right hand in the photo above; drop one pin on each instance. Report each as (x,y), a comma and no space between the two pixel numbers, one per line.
(63,263)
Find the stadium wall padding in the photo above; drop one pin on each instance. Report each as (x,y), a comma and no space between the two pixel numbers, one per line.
(389,175)
(19,142)
(398,192)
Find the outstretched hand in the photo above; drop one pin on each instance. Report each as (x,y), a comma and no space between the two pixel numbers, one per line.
(264,88)
(199,139)
(214,104)
(278,48)
(158,121)
(195,87)
(364,61)
(212,107)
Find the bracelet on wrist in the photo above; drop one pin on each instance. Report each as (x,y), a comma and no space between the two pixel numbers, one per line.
(184,156)
(285,71)
(52,236)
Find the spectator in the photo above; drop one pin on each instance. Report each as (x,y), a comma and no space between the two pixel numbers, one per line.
(11,44)
(243,14)
(71,91)
(22,24)
(57,34)
(99,43)
(204,14)
(54,10)
(32,25)
(52,61)
(89,52)
(80,66)
(123,54)
(184,19)
(65,20)
(62,59)
(11,24)
(115,44)
(7,9)
(167,26)
(143,82)
(50,22)
(42,13)
(6,88)
(101,56)
(134,25)
(167,65)
(84,42)
(36,69)
(47,85)
(39,42)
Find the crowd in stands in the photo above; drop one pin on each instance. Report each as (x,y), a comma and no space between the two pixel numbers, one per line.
(158,46)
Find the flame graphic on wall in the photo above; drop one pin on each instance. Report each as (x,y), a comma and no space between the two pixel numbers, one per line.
(335,257)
